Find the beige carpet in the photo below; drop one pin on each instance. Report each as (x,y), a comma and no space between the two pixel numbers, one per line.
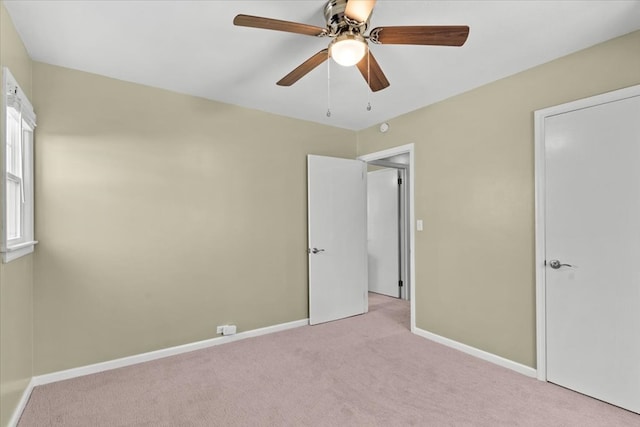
(363,371)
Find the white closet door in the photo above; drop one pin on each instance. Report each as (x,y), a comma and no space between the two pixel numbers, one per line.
(592,161)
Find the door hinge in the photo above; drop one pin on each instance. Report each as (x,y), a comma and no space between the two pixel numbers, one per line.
(399,181)
(400,284)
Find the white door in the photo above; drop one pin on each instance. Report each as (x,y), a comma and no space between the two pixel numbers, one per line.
(383,231)
(337,238)
(592,161)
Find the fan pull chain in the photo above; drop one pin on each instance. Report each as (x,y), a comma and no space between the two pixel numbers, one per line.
(368,80)
(328,85)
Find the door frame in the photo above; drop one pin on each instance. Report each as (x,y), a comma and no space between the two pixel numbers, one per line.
(540,193)
(404,149)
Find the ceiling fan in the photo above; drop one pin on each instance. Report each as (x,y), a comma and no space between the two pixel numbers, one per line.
(347,22)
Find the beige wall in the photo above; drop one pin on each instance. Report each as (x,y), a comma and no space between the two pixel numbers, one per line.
(16,278)
(161,216)
(475,192)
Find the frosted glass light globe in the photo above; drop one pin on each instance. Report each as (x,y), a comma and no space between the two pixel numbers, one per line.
(348,49)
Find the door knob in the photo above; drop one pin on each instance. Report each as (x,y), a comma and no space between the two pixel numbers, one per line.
(555,264)
(316,250)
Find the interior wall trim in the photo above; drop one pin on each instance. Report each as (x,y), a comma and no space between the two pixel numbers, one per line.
(17,412)
(476,352)
(159,354)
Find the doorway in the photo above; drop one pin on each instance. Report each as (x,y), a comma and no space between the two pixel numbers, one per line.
(398,162)
(387,239)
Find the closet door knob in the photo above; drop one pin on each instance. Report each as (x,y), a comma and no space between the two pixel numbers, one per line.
(555,264)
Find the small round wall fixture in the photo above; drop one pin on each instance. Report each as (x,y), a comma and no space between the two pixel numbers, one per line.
(384,127)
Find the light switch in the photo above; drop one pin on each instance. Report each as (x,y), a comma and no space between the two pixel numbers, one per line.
(419,225)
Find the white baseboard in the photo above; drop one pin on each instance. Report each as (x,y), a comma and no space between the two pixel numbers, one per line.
(17,413)
(159,354)
(480,354)
(172,351)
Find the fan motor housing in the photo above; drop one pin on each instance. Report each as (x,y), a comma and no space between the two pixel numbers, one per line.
(337,22)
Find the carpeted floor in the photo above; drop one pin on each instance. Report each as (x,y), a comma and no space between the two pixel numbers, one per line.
(363,371)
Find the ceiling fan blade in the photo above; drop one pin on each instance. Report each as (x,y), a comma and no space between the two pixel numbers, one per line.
(278,25)
(372,73)
(304,68)
(449,35)
(359,10)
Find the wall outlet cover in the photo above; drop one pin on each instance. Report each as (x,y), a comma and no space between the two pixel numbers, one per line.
(229,330)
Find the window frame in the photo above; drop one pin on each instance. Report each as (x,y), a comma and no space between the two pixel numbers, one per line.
(13,98)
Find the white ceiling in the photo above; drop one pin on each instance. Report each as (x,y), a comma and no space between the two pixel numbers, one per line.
(192,47)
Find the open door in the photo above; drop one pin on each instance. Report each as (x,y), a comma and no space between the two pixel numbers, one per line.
(383,216)
(337,191)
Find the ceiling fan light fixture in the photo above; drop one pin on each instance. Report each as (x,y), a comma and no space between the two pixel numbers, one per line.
(348,49)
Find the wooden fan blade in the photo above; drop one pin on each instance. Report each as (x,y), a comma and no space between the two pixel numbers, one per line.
(372,73)
(278,25)
(359,10)
(304,68)
(450,35)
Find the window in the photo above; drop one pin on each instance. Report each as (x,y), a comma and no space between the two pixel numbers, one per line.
(17,170)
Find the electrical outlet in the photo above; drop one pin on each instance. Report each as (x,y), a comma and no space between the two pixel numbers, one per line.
(229,330)
(226,329)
